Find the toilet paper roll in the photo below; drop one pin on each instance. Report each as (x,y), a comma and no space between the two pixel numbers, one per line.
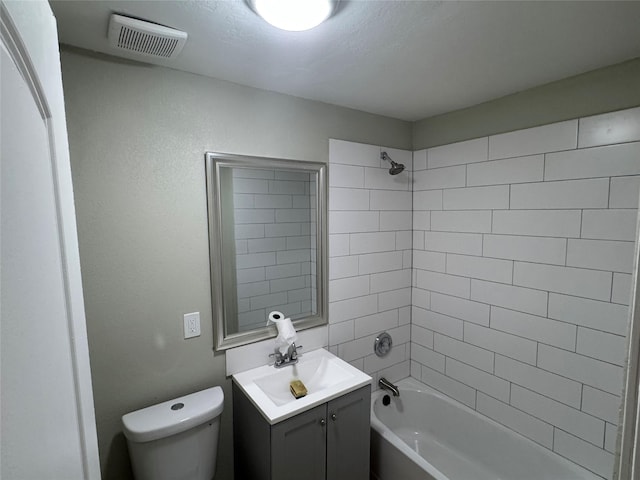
(286,330)
(275,317)
(286,333)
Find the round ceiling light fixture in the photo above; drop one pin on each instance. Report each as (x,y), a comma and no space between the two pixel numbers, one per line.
(294,15)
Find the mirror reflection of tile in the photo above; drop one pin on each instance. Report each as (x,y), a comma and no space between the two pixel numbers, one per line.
(274,213)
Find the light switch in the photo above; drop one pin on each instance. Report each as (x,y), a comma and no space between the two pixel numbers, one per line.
(192,325)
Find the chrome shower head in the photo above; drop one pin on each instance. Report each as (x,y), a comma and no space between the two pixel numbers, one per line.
(396,168)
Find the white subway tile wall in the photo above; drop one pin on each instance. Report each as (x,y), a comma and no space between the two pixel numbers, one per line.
(522,255)
(370,245)
(274,212)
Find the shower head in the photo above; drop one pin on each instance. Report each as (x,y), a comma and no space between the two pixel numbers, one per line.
(396,168)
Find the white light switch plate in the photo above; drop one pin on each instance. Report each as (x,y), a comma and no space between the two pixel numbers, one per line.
(192,325)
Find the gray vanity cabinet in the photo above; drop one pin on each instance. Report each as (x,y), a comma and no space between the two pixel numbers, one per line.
(328,442)
(298,446)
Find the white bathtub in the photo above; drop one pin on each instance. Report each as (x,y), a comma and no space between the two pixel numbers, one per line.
(423,435)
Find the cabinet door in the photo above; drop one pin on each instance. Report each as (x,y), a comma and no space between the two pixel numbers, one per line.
(348,436)
(251,439)
(298,447)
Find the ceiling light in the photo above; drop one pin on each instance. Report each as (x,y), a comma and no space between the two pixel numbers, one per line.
(294,15)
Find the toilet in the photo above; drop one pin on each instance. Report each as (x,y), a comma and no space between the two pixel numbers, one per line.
(176,440)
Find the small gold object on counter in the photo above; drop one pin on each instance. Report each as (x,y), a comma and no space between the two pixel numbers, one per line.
(297,388)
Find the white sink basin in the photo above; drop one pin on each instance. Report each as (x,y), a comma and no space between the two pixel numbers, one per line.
(317,374)
(324,375)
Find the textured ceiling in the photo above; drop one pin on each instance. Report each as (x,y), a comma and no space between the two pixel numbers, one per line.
(403,59)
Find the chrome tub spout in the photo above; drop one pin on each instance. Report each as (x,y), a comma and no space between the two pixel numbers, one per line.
(387,385)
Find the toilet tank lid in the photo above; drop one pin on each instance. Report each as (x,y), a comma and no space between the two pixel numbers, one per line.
(173,416)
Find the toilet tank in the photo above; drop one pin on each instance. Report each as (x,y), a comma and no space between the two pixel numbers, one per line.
(177,439)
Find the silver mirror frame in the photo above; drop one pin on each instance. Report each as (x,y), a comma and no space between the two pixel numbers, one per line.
(213,163)
(627,460)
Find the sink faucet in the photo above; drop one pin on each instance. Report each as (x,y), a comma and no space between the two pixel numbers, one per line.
(289,358)
(387,385)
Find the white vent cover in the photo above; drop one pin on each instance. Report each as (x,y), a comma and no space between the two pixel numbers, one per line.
(142,38)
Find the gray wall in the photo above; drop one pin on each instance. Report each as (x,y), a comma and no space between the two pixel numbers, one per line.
(599,91)
(137,136)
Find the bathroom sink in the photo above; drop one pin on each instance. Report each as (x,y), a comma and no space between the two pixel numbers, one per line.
(324,375)
(317,374)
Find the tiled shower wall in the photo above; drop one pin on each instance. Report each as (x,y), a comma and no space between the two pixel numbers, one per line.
(523,252)
(370,256)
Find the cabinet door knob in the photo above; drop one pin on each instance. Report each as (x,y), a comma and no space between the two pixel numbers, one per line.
(323,422)
(334,417)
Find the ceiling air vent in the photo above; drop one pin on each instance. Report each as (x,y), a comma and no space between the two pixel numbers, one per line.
(148,39)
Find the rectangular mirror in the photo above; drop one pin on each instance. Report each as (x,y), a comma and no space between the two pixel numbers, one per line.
(267,245)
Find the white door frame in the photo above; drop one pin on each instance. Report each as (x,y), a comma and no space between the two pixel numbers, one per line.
(29,33)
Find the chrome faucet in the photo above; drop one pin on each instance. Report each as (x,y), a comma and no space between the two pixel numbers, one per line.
(289,358)
(387,385)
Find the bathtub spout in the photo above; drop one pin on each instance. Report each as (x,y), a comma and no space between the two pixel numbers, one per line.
(387,385)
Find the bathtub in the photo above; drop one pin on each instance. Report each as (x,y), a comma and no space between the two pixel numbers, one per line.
(423,435)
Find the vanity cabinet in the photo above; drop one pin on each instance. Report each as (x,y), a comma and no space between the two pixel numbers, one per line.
(327,442)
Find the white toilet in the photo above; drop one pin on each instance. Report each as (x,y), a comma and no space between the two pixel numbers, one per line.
(176,440)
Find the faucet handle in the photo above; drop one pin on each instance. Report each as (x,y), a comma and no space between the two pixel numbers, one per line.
(278,356)
(293,351)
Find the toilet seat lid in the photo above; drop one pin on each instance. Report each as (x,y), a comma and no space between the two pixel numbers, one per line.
(173,416)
